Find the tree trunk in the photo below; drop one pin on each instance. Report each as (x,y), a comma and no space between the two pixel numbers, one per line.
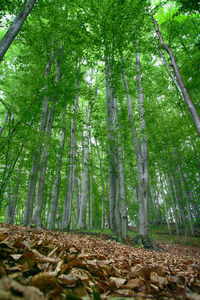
(41,182)
(188,101)
(57,181)
(171,73)
(102,188)
(123,208)
(84,191)
(156,212)
(70,180)
(141,154)
(77,186)
(91,188)
(43,165)
(4,122)
(114,213)
(36,159)
(8,169)
(173,204)
(165,205)
(11,208)
(144,182)
(15,27)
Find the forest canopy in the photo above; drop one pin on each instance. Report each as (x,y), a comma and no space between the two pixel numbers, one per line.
(99,115)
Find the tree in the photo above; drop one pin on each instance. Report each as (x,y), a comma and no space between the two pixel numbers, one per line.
(135,159)
(190,105)
(15,27)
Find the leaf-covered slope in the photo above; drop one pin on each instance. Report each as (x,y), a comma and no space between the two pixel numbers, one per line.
(40,264)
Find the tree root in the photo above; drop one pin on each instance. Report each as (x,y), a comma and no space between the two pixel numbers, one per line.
(143,241)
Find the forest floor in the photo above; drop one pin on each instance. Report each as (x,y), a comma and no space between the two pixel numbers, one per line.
(39,264)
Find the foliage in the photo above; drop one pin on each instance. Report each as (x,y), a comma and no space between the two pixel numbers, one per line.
(85,28)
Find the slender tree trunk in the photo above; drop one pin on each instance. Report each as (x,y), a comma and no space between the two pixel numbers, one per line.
(91,203)
(144,151)
(4,122)
(84,190)
(34,171)
(11,208)
(91,188)
(141,154)
(70,180)
(158,205)
(77,186)
(123,208)
(15,27)
(183,218)
(185,194)
(57,181)
(9,169)
(102,188)
(188,206)
(188,101)
(165,205)
(173,204)
(114,213)
(156,213)
(171,73)
(43,165)
(36,159)
(152,207)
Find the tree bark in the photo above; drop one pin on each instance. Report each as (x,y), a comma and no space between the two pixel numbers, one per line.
(4,122)
(11,208)
(77,186)
(102,188)
(41,182)
(70,180)
(43,165)
(91,189)
(144,177)
(114,213)
(36,159)
(57,181)
(173,204)
(123,208)
(141,154)
(84,191)
(165,205)
(188,101)
(15,27)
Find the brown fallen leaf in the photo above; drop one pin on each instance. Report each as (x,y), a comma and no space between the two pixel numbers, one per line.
(158,280)
(134,283)
(45,281)
(16,256)
(67,280)
(117,281)
(63,265)
(80,274)
(11,289)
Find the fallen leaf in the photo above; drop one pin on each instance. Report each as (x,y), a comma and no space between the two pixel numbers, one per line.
(158,280)
(117,281)
(10,289)
(44,281)
(134,283)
